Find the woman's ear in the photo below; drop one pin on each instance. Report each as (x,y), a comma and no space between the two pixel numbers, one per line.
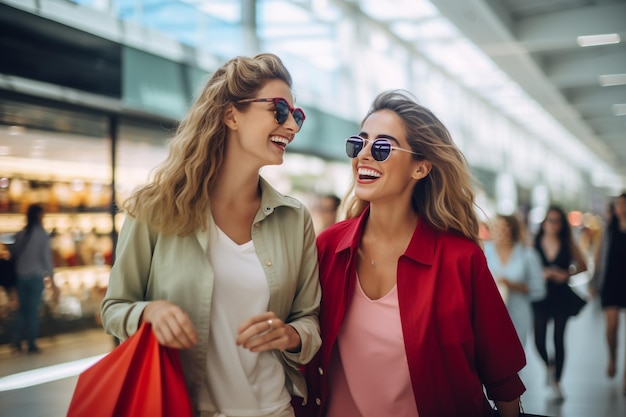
(230,117)
(421,170)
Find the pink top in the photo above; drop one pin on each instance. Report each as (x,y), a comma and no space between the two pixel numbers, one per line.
(374,380)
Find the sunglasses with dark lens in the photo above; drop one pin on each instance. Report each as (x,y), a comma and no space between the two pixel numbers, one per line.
(381,148)
(281,109)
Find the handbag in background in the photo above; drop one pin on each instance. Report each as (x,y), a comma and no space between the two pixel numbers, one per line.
(139,378)
(574,302)
(8,275)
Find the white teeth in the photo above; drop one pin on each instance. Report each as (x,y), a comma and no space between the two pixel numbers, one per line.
(368,172)
(280,139)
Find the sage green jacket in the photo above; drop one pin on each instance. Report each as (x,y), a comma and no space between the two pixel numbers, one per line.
(154,266)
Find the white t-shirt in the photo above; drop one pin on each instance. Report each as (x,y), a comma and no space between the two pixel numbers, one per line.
(239,382)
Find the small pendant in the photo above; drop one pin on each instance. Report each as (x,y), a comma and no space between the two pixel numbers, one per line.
(373,264)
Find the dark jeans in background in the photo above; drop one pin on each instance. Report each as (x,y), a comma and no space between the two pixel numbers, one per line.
(541,328)
(29,293)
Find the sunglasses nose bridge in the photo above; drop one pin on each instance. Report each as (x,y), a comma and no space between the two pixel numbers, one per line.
(291,122)
(288,113)
(368,147)
(378,154)
(364,145)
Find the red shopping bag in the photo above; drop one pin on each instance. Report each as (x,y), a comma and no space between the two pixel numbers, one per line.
(139,378)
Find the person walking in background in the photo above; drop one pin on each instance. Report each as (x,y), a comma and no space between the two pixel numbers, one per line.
(517,270)
(222,265)
(8,277)
(561,258)
(411,319)
(326,208)
(33,263)
(609,279)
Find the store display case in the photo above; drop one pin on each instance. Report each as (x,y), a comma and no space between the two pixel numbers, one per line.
(80,227)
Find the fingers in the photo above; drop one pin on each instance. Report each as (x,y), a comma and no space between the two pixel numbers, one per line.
(170,324)
(259,318)
(263,332)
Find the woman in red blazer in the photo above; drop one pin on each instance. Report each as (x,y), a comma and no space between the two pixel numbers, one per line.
(412,322)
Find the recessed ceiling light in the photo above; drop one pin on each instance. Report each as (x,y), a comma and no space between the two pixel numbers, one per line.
(596,40)
(619,109)
(612,79)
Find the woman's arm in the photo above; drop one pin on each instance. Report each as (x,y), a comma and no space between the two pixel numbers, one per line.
(508,408)
(580,265)
(596,278)
(534,275)
(303,317)
(520,287)
(123,305)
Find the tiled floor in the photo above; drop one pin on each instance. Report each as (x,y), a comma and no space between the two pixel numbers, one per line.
(588,392)
(49,399)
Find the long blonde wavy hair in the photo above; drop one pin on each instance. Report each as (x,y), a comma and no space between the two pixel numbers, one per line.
(445,197)
(176,199)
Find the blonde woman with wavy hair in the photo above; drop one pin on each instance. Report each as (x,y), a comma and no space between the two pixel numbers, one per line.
(220,264)
(411,319)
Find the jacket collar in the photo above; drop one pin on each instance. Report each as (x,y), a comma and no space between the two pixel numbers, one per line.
(421,248)
(270,200)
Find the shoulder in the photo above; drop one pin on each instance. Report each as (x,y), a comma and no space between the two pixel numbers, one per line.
(334,233)
(136,229)
(488,247)
(458,245)
(339,228)
(446,249)
(272,199)
(39,232)
(530,252)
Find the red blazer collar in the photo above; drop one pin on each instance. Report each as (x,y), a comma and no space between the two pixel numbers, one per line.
(421,248)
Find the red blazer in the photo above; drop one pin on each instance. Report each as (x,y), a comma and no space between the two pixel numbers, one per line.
(458,335)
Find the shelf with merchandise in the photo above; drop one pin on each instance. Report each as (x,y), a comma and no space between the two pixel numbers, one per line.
(81,290)
(100,222)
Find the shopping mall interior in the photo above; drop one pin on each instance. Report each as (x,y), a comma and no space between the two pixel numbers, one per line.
(91,91)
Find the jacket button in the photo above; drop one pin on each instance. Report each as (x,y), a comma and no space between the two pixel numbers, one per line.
(320,370)
(257,224)
(318,401)
(268,262)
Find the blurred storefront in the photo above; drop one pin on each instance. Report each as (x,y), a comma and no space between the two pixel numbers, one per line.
(64,158)
(83,121)
(91,91)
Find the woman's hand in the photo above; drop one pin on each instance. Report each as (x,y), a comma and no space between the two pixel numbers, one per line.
(266,332)
(508,408)
(513,286)
(170,324)
(553,273)
(4,252)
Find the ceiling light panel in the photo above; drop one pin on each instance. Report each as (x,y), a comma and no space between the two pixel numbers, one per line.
(619,109)
(398,9)
(608,80)
(597,40)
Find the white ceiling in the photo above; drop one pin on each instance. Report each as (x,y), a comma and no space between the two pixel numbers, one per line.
(535,43)
(519,55)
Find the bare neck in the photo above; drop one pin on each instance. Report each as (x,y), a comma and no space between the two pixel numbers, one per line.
(387,223)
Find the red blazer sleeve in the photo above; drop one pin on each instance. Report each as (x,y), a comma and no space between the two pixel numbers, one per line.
(499,352)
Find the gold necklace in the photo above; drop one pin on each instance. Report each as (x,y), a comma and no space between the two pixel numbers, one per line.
(373,262)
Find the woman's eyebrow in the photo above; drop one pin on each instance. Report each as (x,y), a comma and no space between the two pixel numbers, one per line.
(383,136)
(365,135)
